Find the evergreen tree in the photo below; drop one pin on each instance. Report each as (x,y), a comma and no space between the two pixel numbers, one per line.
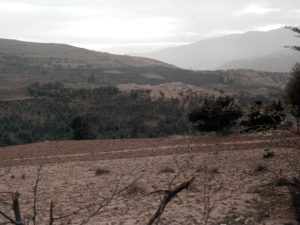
(216,114)
(81,129)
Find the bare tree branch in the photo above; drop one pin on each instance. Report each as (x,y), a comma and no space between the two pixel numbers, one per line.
(129,185)
(296,30)
(105,203)
(35,194)
(16,207)
(167,198)
(51,219)
(12,221)
(99,205)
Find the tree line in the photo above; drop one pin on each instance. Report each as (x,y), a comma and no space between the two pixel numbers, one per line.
(56,112)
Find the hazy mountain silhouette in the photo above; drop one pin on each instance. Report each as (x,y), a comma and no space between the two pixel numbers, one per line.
(71,55)
(252,50)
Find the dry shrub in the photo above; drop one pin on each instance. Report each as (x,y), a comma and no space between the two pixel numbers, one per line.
(268,154)
(260,168)
(135,189)
(100,172)
(281,182)
(167,170)
(214,170)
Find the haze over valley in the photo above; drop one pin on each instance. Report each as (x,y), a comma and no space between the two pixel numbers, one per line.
(257,50)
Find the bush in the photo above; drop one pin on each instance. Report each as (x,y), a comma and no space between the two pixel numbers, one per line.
(167,170)
(100,172)
(268,154)
(81,129)
(135,189)
(216,114)
(258,118)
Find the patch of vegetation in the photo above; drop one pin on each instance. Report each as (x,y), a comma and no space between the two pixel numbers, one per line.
(57,113)
(260,168)
(100,172)
(214,170)
(18,71)
(167,170)
(268,154)
(216,114)
(135,189)
(260,118)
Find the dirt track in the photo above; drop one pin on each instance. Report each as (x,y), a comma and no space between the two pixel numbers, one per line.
(74,151)
(239,193)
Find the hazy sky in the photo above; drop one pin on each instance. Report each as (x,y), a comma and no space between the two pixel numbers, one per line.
(126,26)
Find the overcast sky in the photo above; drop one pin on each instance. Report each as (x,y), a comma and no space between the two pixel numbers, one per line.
(128,26)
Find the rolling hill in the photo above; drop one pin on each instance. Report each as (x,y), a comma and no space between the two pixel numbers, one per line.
(70,55)
(23,63)
(255,50)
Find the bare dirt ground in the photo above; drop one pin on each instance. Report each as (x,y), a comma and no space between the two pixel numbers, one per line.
(234,183)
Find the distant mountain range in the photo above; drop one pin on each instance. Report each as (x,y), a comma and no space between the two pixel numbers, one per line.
(71,56)
(263,51)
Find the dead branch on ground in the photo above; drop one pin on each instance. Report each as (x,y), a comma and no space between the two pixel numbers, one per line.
(169,195)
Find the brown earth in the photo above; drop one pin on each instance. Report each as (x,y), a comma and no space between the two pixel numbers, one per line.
(233,179)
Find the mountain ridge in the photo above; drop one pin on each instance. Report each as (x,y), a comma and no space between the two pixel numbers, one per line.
(13,47)
(217,53)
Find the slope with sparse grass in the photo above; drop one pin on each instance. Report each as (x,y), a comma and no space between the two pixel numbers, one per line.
(230,186)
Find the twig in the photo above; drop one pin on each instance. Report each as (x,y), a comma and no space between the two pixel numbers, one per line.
(105,203)
(35,194)
(51,219)
(130,184)
(16,207)
(9,218)
(167,198)
(101,205)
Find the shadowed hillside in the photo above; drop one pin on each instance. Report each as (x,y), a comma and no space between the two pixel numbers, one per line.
(70,56)
(23,63)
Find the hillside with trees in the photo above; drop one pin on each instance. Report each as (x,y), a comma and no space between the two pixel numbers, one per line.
(56,113)
(22,64)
